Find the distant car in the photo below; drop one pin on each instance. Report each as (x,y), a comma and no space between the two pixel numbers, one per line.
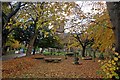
(22,50)
(17,52)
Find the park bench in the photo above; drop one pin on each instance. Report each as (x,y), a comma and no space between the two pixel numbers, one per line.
(70,54)
(55,60)
(39,58)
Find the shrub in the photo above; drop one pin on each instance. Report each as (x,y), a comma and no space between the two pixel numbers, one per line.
(110,67)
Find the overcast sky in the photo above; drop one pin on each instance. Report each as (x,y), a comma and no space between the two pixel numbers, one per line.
(86,7)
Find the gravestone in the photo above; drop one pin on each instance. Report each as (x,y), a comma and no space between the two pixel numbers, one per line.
(88,58)
(76,59)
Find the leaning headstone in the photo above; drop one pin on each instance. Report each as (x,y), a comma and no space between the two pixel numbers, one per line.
(76,59)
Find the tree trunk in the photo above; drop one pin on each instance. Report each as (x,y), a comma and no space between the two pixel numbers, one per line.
(32,39)
(48,50)
(0,30)
(34,50)
(4,50)
(94,56)
(86,52)
(114,12)
(5,34)
(83,51)
(30,46)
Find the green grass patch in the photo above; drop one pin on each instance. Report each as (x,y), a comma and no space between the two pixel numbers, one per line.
(54,53)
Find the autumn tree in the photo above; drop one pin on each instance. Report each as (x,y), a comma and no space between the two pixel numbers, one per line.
(24,34)
(9,10)
(84,41)
(106,37)
(78,25)
(45,38)
(102,33)
(44,15)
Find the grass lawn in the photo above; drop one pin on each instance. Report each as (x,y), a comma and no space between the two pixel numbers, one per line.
(54,53)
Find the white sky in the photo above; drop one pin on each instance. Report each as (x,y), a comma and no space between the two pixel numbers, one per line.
(86,8)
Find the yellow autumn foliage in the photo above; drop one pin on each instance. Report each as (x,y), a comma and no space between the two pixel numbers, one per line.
(109,67)
(115,58)
(102,33)
(16,44)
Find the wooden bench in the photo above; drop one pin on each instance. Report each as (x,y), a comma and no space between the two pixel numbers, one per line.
(39,58)
(55,60)
(70,54)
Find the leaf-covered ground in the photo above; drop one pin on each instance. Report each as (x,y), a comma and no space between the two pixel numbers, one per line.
(29,67)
